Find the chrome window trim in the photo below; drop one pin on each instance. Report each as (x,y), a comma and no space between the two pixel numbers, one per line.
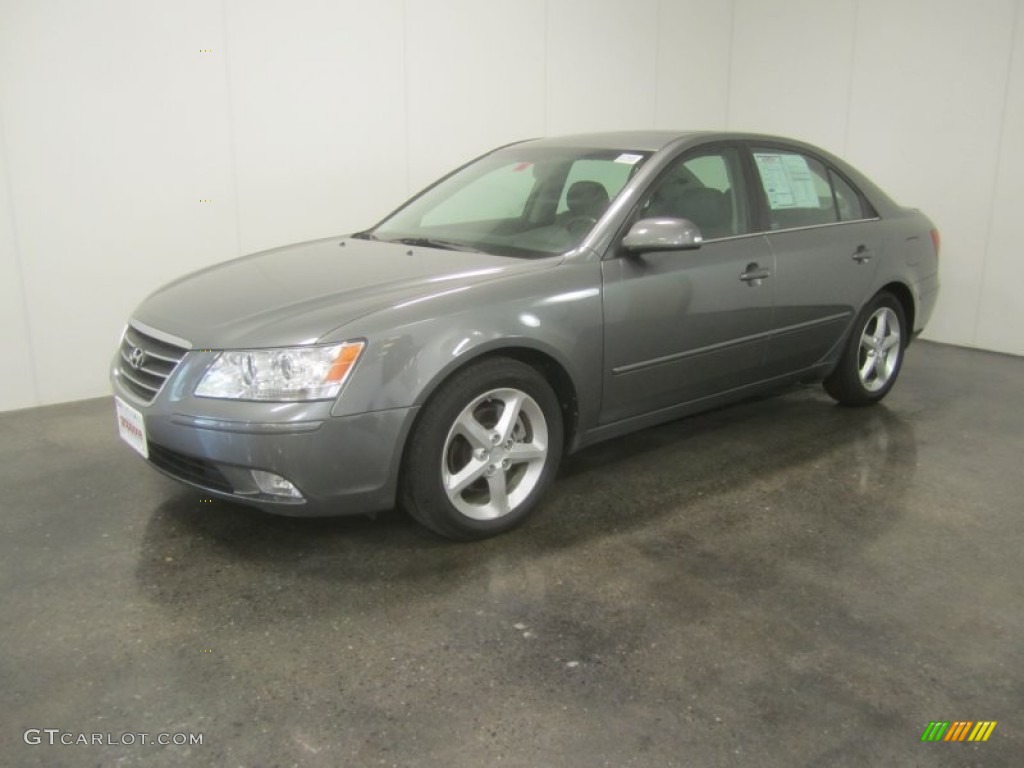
(820,226)
(761,232)
(744,236)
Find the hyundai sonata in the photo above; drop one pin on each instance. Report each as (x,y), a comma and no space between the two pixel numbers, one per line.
(546,296)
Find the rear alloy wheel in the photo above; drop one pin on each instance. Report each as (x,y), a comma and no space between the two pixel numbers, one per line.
(873,355)
(486,447)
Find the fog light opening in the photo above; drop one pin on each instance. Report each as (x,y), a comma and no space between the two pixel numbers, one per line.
(275,485)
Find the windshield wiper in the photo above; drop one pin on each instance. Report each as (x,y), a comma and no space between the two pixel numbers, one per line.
(432,242)
(364,235)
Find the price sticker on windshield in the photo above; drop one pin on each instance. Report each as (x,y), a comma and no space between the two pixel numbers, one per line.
(629,158)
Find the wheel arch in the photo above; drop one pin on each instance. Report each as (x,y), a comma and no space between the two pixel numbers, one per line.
(905,297)
(545,363)
(559,379)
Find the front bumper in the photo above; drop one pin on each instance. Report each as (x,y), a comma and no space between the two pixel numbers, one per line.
(340,465)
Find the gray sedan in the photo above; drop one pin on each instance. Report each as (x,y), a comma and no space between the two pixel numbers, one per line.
(544,297)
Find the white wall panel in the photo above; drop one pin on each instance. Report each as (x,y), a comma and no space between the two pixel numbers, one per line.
(298,119)
(791,68)
(925,119)
(475,80)
(601,65)
(1001,312)
(318,116)
(17,386)
(694,57)
(115,131)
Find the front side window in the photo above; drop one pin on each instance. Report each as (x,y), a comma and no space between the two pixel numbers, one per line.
(706,188)
(521,201)
(800,191)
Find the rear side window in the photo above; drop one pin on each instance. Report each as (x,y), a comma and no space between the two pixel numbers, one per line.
(800,191)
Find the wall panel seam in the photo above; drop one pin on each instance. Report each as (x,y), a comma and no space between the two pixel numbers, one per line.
(728,74)
(18,266)
(232,150)
(405,98)
(1000,148)
(850,79)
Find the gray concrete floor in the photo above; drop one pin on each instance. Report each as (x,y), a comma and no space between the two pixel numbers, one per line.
(783,583)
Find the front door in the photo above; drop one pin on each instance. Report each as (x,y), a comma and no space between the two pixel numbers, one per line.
(684,325)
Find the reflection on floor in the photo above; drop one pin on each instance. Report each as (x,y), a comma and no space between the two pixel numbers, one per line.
(784,583)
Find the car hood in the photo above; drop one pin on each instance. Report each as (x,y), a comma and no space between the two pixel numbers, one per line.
(300,293)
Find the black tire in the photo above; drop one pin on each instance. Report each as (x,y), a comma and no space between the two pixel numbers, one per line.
(873,354)
(511,461)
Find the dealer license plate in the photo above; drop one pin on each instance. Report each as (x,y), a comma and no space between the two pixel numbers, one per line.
(131,426)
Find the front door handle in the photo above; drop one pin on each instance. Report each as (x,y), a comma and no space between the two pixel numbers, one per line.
(862,254)
(755,273)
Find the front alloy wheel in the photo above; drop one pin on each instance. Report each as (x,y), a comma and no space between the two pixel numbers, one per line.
(494,454)
(486,447)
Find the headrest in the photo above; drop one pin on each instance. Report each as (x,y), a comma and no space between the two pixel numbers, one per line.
(587,198)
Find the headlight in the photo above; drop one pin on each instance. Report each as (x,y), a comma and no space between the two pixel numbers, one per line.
(302,373)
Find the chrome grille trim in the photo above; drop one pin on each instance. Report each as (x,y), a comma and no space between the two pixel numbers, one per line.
(160,359)
(166,358)
(166,338)
(138,383)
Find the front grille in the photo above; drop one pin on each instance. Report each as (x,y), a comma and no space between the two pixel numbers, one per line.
(146,362)
(197,471)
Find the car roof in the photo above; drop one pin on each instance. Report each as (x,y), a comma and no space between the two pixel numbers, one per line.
(645,141)
(657,140)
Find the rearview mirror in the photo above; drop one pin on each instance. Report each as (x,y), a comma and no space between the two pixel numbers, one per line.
(662,235)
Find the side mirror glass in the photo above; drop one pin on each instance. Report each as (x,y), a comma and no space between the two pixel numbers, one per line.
(662,235)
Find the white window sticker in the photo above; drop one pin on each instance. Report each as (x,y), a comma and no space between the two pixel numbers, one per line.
(629,158)
(787,180)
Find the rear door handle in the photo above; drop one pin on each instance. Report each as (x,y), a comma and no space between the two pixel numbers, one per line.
(755,273)
(862,254)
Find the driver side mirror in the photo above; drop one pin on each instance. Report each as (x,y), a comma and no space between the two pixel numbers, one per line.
(662,235)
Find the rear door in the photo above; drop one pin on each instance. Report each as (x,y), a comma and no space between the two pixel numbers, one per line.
(826,244)
(683,325)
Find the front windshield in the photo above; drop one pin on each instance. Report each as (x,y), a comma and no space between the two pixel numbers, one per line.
(520,201)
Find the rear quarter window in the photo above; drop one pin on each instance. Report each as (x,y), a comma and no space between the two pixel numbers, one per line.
(850,203)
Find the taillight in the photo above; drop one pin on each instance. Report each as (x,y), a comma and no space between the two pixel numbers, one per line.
(936,241)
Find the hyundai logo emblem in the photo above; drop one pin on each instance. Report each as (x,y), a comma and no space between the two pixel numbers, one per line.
(136,357)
